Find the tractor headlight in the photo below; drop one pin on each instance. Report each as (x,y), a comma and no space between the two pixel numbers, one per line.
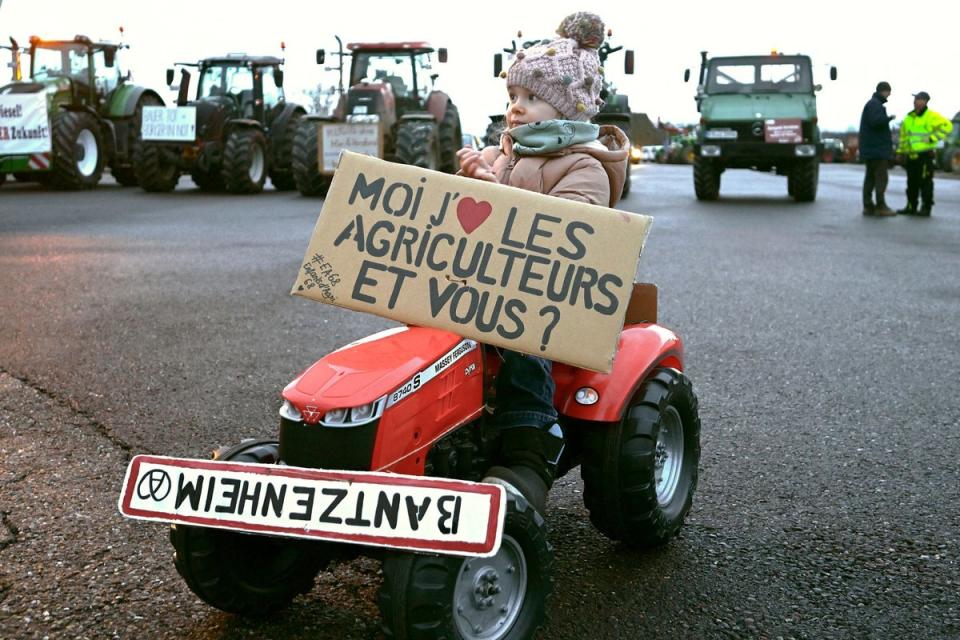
(710,151)
(805,150)
(354,416)
(371,118)
(290,412)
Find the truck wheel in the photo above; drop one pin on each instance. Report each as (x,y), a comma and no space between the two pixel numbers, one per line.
(77,159)
(451,139)
(245,161)
(155,171)
(706,179)
(429,597)
(805,174)
(246,573)
(207,180)
(306,163)
(640,474)
(417,144)
(281,171)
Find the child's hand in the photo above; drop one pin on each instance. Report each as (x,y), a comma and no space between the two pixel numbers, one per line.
(473,165)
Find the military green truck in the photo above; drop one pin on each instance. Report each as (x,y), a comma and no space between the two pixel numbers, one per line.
(75,114)
(757,112)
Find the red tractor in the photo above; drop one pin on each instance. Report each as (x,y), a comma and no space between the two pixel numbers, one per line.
(416,401)
(392,87)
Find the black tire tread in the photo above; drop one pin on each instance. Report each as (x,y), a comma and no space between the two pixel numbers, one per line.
(237,156)
(306,168)
(451,139)
(805,174)
(618,460)
(417,144)
(66,126)
(153,171)
(281,170)
(706,179)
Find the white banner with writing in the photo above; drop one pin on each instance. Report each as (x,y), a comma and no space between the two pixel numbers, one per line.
(178,124)
(24,125)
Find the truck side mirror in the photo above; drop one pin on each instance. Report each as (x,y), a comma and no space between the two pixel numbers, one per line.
(833,73)
(278,77)
(686,75)
(442,54)
(628,62)
(183,95)
(321,56)
(109,57)
(497,63)
(169,77)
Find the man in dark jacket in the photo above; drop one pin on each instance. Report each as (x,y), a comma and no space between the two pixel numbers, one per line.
(876,150)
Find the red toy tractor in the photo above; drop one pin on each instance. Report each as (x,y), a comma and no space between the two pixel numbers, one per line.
(416,401)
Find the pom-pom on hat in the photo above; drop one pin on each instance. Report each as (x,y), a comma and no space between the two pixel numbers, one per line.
(565,71)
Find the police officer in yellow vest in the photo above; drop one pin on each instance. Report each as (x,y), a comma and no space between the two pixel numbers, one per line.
(920,132)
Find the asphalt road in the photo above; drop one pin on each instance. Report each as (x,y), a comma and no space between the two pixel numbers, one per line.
(824,347)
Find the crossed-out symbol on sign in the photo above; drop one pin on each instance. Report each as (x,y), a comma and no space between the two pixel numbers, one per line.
(155,484)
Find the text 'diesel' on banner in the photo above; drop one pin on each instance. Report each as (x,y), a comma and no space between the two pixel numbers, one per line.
(504,266)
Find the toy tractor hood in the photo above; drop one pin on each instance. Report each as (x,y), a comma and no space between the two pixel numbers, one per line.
(749,107)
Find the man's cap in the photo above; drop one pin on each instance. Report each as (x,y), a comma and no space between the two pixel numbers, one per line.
(883,86)
(923,95)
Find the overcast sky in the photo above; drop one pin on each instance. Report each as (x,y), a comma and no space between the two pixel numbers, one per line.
(866,42)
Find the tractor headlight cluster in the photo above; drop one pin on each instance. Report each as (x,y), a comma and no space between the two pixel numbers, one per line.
(363,118)
(354,416)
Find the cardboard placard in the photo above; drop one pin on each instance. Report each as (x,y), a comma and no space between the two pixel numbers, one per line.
(379,509)
(24,126)
(786,131)
(169,123)
(335,137)
(504,266)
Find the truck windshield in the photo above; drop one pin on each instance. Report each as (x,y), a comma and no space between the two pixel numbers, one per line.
(395,69)
(222,80)
(779,74)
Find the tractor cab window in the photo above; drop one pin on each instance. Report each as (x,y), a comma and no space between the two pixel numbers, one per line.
(272,94)
(226,80)
(106,78)
(65,61)
(424,70)
(395,69)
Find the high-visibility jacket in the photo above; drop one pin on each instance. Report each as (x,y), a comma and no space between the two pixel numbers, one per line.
(922,133)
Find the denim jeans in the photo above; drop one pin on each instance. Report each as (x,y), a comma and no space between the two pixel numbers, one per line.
(525,389)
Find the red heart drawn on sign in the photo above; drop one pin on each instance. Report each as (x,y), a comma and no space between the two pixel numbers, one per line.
(471,213)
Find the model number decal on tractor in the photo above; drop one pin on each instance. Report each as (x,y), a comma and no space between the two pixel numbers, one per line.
(379,509)
(435,369)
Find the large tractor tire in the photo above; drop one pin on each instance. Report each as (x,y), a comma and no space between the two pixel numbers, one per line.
(246,573)
(124,173)
(706,179)
(417,144)
(451,139)
(155,171)
(306,163)
(431,597)
(77,159)
(245,161)
(640,473)
(281,171)
(805,175)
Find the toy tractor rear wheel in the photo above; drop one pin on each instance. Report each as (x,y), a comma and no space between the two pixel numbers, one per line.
(245,573)
(429,597)
(706,179)
(805,174)
(640,473)
(281,171)
(451,139)
(155,171)
(245,161)
(417,144)
(77,159)
(306,163)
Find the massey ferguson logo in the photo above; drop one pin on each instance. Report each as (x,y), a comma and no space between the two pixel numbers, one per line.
(311,413)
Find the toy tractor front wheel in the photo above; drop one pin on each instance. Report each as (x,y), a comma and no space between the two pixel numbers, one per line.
(245,573)
(503,597)
(245,161)
(640,473)
(77,151)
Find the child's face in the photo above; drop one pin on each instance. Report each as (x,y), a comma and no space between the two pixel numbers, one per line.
(526,107)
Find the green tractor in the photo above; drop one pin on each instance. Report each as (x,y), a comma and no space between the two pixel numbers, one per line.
(237,131)
(76,114)
(616,106)
(757,112)
(391,110)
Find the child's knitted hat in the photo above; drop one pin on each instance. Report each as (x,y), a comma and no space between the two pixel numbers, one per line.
(565,71)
